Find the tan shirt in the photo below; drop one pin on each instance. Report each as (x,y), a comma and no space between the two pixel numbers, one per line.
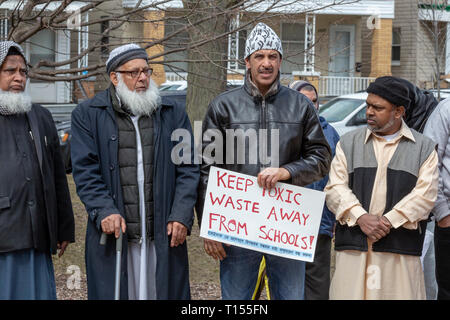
(380,275)
(414,207)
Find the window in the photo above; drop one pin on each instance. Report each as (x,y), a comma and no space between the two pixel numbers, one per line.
(176,61)
(293,42)
(396,37)
(358,119)
(236,50)
(338,109)
(4,25)
(42,47)
(105,39)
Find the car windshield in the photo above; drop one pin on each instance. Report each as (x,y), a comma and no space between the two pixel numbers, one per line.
(337,109)
(169,87)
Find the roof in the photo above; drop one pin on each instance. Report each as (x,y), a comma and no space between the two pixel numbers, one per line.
(382,8)
(12,5)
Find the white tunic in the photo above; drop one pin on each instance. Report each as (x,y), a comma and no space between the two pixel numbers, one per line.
(141,256)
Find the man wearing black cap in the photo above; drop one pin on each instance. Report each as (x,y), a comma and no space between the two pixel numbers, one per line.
(36,217)
(128,181)
(382,187)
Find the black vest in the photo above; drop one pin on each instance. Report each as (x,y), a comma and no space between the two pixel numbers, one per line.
(128,169)
(402,173)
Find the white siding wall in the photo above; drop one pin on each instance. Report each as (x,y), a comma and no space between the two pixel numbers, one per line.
(54,92)
(63,88)
(384,8)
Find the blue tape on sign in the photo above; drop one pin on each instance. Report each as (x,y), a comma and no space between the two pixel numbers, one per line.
(258,244)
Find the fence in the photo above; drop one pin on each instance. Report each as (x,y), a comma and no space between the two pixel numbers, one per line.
(336,86)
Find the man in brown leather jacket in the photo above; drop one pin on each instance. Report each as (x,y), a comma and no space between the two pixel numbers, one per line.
(292,148)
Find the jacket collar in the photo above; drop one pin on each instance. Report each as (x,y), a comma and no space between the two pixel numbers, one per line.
(253,90)
(404,131)
(101,99)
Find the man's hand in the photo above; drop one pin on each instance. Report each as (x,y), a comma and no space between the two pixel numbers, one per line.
(112,224)
(386,222)
(269,177)
(373,226)
(444,222)
(62,247)
(214,249)
(178,232)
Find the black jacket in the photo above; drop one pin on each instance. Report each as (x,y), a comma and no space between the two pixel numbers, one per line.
(14,178)
(303,148)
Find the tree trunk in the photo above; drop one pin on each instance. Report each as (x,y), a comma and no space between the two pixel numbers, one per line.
(207,63)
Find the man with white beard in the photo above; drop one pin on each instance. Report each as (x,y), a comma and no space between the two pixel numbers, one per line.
(36,217)
(121,158)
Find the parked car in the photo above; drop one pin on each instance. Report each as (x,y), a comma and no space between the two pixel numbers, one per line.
(61,115)
(445,93)
(173,85)
(348,112)
(345,113)
(181,85)
(180,95)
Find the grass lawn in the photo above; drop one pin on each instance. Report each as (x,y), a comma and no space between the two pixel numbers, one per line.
(204,271)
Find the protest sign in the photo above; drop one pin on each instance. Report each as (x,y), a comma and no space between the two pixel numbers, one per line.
(283,221)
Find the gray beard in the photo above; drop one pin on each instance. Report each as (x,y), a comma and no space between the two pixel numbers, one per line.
(384,128)
(14,103)
(139,103)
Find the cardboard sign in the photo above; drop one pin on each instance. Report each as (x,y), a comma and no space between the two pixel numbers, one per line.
(283,221)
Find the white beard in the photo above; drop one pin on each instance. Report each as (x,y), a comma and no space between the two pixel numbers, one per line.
(139,103)
(15,103)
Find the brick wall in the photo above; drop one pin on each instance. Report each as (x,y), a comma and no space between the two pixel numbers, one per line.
(154,30)
(381,49)
(406,18)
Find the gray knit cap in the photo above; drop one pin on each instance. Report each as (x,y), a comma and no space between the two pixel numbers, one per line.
(5,46)
(262,37)
(123,54)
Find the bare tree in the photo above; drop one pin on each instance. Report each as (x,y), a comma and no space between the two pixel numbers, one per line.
(434,39)
(207,25)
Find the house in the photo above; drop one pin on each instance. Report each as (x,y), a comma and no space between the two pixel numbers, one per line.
(340,48)
(52,45)
(421,48)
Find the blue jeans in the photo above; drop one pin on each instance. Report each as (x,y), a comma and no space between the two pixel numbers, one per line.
(239,273)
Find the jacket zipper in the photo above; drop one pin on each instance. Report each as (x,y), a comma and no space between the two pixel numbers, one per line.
(264,140)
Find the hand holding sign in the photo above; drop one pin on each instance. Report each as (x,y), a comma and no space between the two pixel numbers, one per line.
(283,220)
(269,177)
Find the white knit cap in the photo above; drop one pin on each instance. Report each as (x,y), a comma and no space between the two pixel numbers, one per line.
(124,53)
(5,46)
(262,37)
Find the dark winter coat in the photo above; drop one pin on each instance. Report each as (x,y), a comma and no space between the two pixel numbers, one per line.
(303,148)
(96,174)
(15,198)
(328,218)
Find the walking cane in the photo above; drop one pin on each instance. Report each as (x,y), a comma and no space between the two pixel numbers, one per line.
(118,260)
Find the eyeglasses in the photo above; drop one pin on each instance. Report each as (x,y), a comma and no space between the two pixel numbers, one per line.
(136,73)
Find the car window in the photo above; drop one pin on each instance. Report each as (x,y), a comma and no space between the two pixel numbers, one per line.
(359,118)
(169,87)
(337,109)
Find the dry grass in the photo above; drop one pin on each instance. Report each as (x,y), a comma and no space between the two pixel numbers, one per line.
(204,271)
